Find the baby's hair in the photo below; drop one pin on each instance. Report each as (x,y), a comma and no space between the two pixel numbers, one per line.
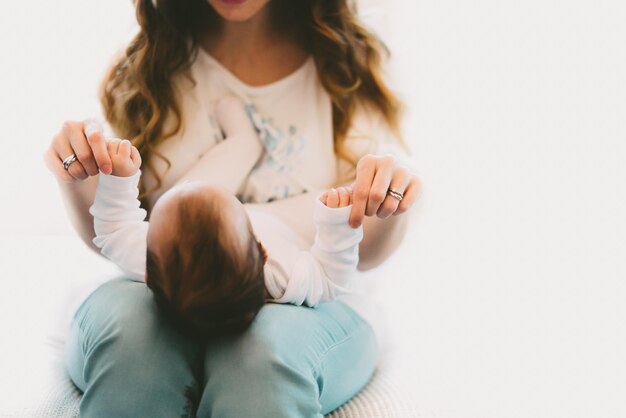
(207,283)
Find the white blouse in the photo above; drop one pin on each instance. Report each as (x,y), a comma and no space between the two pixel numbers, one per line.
(294,116)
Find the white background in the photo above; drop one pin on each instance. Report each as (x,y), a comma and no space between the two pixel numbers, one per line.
(509,289)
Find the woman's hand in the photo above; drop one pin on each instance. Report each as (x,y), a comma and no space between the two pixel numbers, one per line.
(84,139)
(375,175)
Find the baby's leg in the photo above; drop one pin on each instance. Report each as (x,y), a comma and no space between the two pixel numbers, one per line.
(228,163)
(233,119)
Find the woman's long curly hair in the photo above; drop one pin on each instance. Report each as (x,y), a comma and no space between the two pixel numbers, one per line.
(137,92)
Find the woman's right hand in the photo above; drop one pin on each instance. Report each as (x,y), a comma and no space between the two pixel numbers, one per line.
(86,140)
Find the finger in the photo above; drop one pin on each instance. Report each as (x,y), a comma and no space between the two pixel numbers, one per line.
(324,198)
(135,156)
(55,165)
(399,183)
(411,194)
(333,199)
(124,149)
(349,193)
(63,150)
(344,197)
(91,125)
(95,139)
(380,185)
(365,171)
(112,146)
(77,171)
(74,132)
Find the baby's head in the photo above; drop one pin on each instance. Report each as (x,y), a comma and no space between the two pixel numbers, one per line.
(204,263)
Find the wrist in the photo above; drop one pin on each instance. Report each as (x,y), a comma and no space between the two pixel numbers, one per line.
(112,181)
(123,173)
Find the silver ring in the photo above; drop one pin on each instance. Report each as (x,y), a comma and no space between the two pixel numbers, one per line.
(69,160)
(394,193)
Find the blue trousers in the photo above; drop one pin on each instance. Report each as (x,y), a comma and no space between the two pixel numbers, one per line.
(292,362)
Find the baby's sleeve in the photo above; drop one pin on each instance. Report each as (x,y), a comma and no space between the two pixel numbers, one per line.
(324,272)
(119,223)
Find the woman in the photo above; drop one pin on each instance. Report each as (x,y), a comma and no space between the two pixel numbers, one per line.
(311,76)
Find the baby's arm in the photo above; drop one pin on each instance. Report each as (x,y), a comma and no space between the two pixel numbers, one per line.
(323,272)
(117,217)
(228,163)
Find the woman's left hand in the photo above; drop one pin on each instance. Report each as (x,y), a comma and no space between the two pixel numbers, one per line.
(375,176)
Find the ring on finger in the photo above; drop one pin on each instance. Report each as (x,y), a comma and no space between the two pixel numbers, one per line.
(68,161)
(395,194)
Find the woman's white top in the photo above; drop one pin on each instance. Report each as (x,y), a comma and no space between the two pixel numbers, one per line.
(294,117)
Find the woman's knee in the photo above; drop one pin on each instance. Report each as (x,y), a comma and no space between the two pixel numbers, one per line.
(260,373)
(281,362)
(276,341)
(117,311)
(119,344)
(121,320)
(115,299)
(98,318)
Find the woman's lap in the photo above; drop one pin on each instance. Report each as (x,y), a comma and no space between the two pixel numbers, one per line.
(292,361)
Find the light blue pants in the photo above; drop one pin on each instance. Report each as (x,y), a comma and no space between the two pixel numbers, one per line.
(292,361)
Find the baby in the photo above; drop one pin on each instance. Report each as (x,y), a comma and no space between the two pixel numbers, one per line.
(201,251)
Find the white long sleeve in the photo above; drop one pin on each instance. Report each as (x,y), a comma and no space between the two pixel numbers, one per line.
(119,223)
(292,275)
(323,272)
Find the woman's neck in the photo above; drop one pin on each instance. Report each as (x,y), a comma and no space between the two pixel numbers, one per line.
(256,51)
(246,37)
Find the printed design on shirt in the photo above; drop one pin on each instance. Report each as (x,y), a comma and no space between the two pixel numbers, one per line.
(275,175)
